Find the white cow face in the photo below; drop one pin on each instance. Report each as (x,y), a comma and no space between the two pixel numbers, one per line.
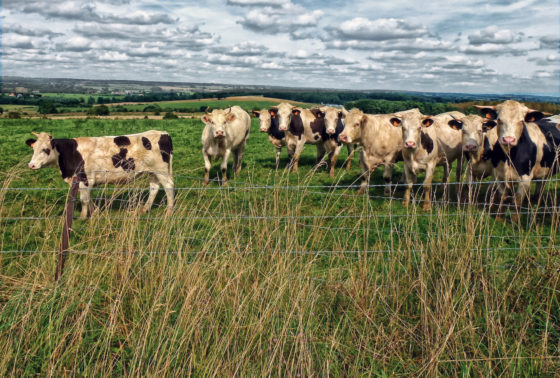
(352,132)
(43,153)
(332,116)
(472,129)
(510,117)
(285,112)
(264,117)
(217,121)
(412,124)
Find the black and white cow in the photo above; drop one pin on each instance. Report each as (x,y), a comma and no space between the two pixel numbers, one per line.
(108,159)
(268,119)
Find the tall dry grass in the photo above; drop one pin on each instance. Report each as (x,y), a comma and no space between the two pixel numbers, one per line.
(277,281)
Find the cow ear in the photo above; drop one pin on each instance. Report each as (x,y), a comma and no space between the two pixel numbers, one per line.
(206,119)
(256,114)
(295,112)
(489,125)
(427,122)
(455,125)
(488,112)
(341,115)
(231,118)
(395,121)
(30,142)
(364,120)
(534,116)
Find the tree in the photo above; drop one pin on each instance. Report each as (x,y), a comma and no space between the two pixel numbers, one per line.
(91,101)
(170,115)
(14,115)
(101,110)
(47,107)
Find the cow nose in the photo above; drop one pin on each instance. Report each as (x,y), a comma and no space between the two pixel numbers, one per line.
(31,166)
(283,128)
(330,131)
(219,134)
(343,137)
(471,147)
(507,140)
(263,130)
(410,144)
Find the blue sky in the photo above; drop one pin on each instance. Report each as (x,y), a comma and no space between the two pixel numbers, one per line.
(453,46)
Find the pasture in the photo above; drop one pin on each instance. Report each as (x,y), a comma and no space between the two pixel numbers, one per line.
(279,274)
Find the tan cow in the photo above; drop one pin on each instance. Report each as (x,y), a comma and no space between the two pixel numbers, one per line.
(428,142)
(101,160)
(381,142)
(225,132)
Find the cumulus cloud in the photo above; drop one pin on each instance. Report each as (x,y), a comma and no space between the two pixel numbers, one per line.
(286,18)
(492,49)
(551,42)
(493,35)
(253,3)
(363,29)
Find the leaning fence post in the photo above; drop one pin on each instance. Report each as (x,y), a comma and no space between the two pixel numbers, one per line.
(70,205)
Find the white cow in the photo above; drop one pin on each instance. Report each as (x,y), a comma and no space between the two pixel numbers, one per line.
(225,132)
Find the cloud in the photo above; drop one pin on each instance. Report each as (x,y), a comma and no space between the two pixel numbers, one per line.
(363,29)
(80,11)
(492,35)
(18,41)
(18,29)
(285,19)
(551,42)
(259,3)
(492,49)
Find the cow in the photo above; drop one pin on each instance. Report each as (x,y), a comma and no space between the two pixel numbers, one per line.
(268,119)
(334,125)
(381,143)
(524,150)
(428,141)
(108,159)
(225,131)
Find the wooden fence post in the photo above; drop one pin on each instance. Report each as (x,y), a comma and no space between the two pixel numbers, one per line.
(66,228)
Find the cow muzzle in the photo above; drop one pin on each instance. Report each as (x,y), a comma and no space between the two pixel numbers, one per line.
(470,147)
(219,134)
(264,129)
(343,138)
(330,131)
(509,141)
(410,145)
(32,166)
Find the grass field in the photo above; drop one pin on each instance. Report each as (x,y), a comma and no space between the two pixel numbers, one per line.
(276,275)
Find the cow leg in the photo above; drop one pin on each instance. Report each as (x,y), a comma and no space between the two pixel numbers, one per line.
(240,153)
(154,188)
(85,199)
(523,191)
(428,187)
(207,166)
(278,153)
(459,175)
(223,167)
(365,173)
(351,149)
(333,158)
(296,156)
(167,182)
(320,154)
(387,175)
(539,190)
(410,179)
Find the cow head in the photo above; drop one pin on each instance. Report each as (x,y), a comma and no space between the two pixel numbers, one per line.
(472,128)
(284,114)
(217,121)
(43,152)
(510,117)
(332,117)
(412,122)
(352,133)
(264,119)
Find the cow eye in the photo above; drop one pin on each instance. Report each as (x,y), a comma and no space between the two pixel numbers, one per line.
(356,124)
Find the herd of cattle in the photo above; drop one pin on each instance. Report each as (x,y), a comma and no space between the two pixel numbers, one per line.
(510,142)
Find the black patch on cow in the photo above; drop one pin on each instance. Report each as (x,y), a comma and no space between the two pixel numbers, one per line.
(551,149)
(487,153)
(426,141)
(47,151)
(165,147)
(296,125)
(122,141)
(467,156)
(30,142)
(274,129)
(70,160)
(318,127)
(339,129)
(120,160)
(146,143)
(523,156)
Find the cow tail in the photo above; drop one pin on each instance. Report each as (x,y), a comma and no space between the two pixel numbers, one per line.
(171,164)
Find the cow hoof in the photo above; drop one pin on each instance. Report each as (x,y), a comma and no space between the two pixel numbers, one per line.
(387,192)
(205,182)
(331,175)
(225,184)
(427,208)
(362,190)
(405,203)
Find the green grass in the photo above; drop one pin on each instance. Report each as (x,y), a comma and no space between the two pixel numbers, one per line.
(266,281)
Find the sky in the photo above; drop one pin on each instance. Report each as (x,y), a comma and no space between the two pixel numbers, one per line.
(473,46)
